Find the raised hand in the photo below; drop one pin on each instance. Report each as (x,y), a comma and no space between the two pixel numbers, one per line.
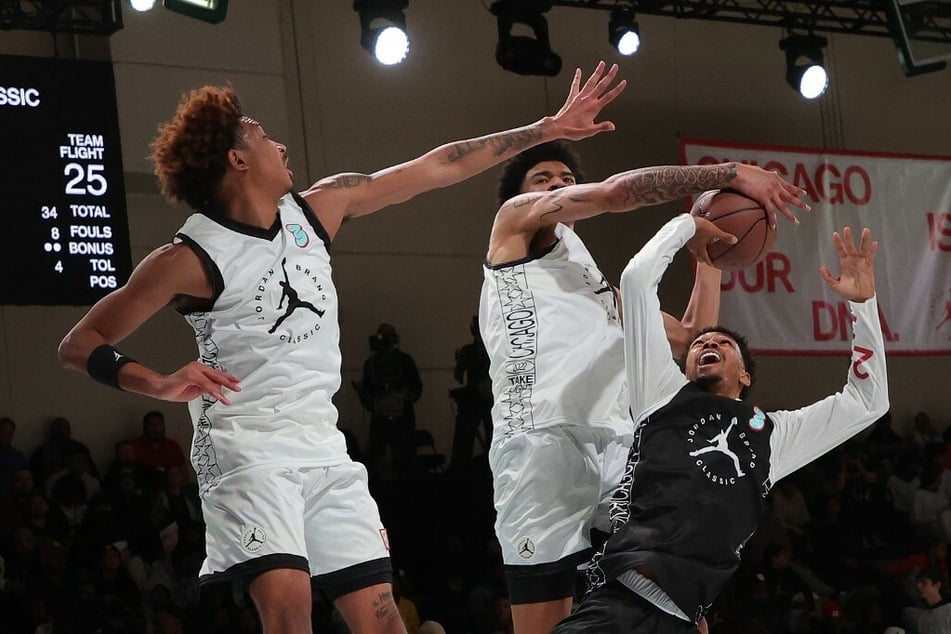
(576,118)
(856,280)
(706,233)
(770,190)
(194,380)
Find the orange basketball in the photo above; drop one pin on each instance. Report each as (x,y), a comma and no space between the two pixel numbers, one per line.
(747,220)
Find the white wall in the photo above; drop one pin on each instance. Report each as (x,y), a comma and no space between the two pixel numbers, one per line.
(300,70)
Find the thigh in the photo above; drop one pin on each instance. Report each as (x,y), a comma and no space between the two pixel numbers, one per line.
(341,521)
(613,460)
(539,519)
(254,522)
(613,609)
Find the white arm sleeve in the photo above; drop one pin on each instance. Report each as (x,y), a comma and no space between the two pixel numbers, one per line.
(652,376)
(804,434)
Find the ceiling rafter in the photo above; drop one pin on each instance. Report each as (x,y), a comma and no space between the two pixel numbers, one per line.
(932,20)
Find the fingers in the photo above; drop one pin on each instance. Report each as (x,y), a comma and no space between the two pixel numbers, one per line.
(575,85)
(593,80)
(830,279)
(610,95)
(606,80)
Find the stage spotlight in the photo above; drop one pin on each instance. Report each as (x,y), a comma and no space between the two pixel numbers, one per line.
(623,32)
(805,70)
(383,29)
(524,54)
(212,11)
(142,5)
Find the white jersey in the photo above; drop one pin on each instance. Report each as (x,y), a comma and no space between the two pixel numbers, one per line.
(272,323)
(550,325)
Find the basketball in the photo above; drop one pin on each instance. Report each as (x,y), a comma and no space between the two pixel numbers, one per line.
(745,218)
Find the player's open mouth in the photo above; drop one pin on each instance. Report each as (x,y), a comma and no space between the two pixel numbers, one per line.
(709,357)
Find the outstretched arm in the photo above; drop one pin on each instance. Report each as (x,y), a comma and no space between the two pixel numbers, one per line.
(802,435)
(524,216)
(351,195)
(652,375)
(703,310)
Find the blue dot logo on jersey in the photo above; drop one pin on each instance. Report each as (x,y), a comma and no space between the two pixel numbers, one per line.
(301,238)
(758,422)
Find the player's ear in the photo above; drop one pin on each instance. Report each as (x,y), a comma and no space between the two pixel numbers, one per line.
(237,159)
(745,379)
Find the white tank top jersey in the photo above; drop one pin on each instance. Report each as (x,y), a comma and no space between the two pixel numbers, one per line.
(550,325)
(272,323)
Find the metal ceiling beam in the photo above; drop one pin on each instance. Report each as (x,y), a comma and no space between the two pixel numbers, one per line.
(90,17)
(857,17)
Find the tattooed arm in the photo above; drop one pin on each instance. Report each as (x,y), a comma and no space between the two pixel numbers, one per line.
(524,217)
(351,195)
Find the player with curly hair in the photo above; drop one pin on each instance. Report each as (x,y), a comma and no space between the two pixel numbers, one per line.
(250,271)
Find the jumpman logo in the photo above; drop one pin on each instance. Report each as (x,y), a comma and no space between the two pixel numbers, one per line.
(606,287)
(252,537)
(526,548)
(293,301)
(947,310)
(721,444)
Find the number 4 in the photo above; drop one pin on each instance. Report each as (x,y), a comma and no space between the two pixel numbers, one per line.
(58,267)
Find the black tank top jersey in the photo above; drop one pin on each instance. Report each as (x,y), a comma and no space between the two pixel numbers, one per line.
(690,497)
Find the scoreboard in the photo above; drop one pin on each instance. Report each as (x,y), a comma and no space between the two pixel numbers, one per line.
(65,234)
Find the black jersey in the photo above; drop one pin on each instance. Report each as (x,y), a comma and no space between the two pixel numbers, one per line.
(701,463)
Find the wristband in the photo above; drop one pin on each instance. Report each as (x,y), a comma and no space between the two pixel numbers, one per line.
(104,363)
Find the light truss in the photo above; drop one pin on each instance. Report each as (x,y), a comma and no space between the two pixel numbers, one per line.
(91,17)
(858,17)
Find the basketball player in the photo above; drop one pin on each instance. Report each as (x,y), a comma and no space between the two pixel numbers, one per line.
(250,271)
(703,458)
(550,323)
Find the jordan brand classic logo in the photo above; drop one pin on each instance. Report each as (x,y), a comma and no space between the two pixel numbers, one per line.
(293,300)
(525,548)
(253,538)
(301,292)
(720,462)
(721,444)
(301,238)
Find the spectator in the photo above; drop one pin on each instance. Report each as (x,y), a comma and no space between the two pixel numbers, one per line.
(935,616)
(11,458)
(473,399)
(152,449)
(390,387)
(46,520)
(125,467)
(50,457)
(15,503)
(74,485)
(923,432)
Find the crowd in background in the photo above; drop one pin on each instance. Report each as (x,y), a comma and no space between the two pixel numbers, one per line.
(856,542)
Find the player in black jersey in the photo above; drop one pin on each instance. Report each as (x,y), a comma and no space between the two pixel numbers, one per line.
(703,458)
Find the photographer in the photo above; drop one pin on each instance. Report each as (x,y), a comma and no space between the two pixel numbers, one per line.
(389,388)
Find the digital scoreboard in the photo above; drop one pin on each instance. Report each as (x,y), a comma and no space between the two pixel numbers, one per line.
(65,235)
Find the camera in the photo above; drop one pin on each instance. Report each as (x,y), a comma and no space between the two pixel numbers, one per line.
(381,341)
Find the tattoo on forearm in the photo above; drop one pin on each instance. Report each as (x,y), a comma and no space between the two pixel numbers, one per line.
(383,607)
(515,140)
(347,181)
(654,185)
(556,203)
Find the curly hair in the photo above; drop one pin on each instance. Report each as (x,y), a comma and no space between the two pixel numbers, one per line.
(515,169)
(190,153)
(749,363)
